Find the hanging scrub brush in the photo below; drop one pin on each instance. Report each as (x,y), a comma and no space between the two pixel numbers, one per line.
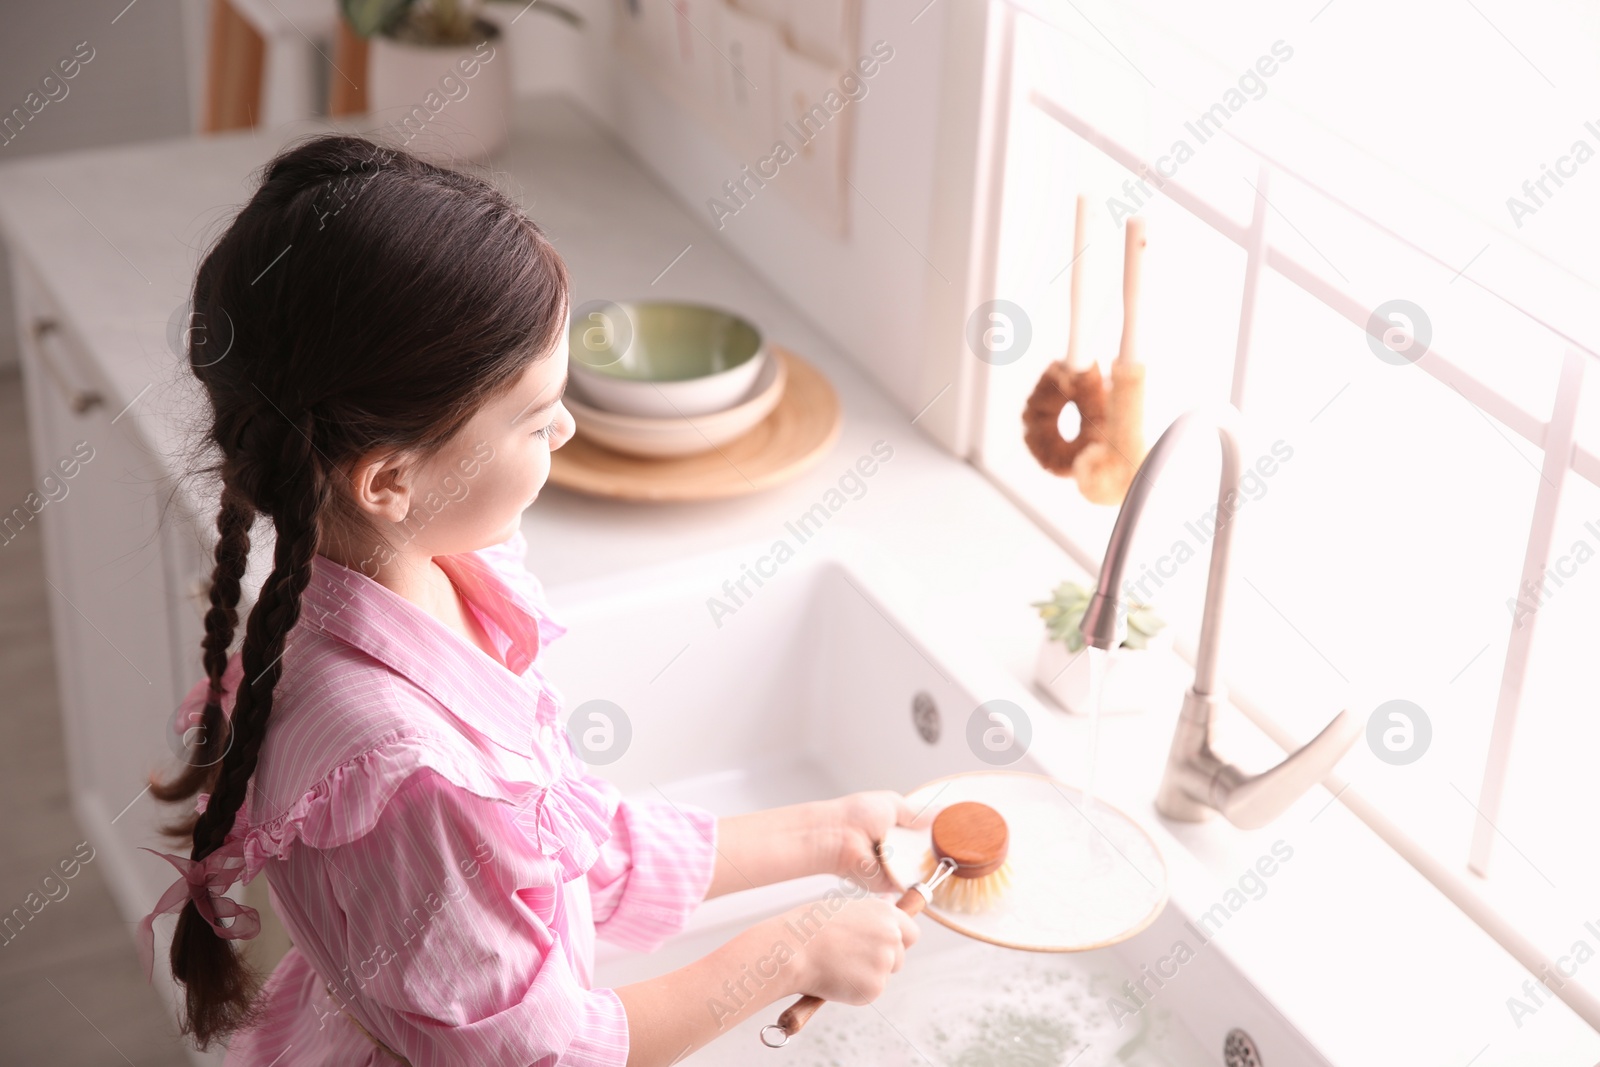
(1073,380)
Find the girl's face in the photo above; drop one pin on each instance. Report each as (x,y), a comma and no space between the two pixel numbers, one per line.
(472,493)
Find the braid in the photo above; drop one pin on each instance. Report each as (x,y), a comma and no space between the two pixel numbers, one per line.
(234,520)
(233,553)
(218,988)
(277,610)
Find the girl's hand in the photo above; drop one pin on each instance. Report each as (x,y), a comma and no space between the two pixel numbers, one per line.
(813,837)
(843,948)
(847,951)
(855,823)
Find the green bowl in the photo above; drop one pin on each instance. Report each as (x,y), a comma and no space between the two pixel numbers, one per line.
(663,359)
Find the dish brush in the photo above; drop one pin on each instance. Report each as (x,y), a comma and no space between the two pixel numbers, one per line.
(975,838)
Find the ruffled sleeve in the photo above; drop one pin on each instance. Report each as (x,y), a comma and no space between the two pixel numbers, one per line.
(648,863)
(454,945)
(653,869)
(567,821)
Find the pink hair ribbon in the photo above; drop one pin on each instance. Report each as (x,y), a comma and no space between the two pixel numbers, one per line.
(206,883)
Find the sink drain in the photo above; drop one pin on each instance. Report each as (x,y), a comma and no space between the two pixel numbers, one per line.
(925,717)
(1238,1050)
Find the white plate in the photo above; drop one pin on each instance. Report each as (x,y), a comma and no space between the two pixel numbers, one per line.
(662,438)
(1083,875)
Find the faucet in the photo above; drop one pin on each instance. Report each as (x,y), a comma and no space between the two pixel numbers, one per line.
(1196,781)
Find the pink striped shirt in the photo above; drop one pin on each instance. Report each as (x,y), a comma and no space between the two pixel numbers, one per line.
(431,843)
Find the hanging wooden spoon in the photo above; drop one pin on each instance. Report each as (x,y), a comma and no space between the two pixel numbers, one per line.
(1105,468)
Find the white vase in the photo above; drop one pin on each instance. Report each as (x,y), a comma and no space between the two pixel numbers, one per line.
(442,102)
(1137,679)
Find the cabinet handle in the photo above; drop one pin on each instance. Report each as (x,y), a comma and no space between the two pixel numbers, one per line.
(81,399)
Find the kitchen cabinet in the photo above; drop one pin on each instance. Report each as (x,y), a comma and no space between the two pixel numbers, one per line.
(104,561)
(121,558)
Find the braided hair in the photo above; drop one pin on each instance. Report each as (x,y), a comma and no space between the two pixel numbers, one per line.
(365,300)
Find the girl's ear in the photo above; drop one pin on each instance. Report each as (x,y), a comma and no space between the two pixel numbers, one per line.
(381,486)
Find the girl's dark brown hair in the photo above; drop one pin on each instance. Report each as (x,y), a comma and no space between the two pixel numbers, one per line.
(362,300)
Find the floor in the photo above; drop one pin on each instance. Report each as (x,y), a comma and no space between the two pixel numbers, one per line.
(71,992)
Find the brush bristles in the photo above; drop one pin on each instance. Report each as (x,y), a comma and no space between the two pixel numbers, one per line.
(967,894)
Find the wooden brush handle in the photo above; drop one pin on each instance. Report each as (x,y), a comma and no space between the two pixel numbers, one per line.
(1080,240)
(800,1012)
(1132,254)
(912,902)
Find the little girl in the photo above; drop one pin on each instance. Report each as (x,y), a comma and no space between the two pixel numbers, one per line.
(384,352)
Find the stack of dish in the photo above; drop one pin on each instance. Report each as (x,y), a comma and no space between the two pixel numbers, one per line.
(662,380)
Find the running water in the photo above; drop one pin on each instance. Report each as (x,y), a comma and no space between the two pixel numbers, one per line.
(1098,663)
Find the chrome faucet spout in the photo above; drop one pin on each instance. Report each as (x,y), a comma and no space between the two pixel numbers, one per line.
(1197,783)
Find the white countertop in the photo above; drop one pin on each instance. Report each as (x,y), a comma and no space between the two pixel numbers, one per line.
(1357,949)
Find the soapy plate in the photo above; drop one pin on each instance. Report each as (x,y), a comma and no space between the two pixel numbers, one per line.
(1083,875)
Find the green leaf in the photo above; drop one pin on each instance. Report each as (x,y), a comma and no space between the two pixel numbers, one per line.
(560,11)
(1145,621)
(371,17)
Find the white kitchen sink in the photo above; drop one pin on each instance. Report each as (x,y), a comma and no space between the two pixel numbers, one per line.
(807,689)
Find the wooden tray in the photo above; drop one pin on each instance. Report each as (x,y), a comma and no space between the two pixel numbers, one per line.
(800,430)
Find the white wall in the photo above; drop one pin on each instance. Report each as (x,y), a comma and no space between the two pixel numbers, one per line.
(878,291)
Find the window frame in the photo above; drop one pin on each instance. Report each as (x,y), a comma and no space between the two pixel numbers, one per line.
(1554,436)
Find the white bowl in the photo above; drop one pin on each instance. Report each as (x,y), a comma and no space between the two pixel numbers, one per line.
(664,438)
(663,359)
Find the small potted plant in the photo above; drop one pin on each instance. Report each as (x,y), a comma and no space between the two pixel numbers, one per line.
(1133,677)
(438,72)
